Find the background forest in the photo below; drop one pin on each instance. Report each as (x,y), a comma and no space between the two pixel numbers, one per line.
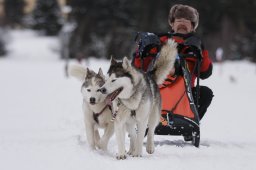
(107,27)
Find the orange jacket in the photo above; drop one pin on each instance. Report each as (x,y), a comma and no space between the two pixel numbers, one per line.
(206,64)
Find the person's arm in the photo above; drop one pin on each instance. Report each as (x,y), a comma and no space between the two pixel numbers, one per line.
(206,65)
(148,46)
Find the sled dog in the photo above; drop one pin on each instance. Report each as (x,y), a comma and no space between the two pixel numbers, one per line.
(96,113)
(138,103)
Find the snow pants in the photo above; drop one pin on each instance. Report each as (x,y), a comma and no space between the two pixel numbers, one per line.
(205,99)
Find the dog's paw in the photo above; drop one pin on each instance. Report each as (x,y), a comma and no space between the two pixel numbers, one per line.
(136,155)
(131,151)
(121,157)
(97,144)
(150,149)
(92,147)
(102,145)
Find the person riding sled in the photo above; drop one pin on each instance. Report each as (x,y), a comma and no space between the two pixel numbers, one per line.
(183,21)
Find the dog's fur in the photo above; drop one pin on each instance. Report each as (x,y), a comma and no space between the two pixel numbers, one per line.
(140,95)
(94,102)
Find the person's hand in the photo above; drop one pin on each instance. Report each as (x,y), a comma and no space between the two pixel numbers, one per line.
(147,41)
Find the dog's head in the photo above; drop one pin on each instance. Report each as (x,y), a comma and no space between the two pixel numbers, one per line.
(91,87)
(122,79)
(91,83)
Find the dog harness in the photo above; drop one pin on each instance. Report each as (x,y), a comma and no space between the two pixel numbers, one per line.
(96,115)
(109,105)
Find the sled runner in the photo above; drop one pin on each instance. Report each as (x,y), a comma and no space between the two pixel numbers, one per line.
(179,105)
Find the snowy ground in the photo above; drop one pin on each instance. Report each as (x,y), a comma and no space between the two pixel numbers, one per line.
(41,126)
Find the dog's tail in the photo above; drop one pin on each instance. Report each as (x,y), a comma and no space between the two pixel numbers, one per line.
(165,62)
(77,71)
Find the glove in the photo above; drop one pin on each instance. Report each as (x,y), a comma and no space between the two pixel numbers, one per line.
(147,41)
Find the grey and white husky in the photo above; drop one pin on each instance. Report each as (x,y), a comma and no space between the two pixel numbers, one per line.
(96,113)
(138,102)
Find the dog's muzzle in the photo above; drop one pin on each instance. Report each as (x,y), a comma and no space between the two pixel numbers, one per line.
(92,100)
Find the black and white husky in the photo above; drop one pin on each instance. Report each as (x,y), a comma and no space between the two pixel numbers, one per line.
(96,113)
(138,103)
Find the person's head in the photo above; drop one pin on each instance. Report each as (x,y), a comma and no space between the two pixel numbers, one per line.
(183,18)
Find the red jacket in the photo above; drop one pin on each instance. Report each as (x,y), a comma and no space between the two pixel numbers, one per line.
(206,65)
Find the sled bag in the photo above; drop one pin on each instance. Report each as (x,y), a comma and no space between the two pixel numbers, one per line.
(175,98)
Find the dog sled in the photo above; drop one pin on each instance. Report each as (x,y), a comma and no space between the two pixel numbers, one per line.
(179,105)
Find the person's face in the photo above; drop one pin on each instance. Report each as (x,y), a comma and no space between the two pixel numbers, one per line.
(182,26)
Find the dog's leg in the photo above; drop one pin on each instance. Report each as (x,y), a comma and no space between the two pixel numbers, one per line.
(154,119)
(142,116)
(108,132)
(90,135)
(120,137)
(141,126)
(132,133)
(120,130)
(89,126)
(97,138)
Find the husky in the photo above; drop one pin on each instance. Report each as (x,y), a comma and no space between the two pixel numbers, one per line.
(97,114)
(138,101)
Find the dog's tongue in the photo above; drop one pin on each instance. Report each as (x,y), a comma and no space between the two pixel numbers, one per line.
(112,96)
(108,100)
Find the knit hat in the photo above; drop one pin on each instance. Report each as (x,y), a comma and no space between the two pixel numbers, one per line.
(184,11)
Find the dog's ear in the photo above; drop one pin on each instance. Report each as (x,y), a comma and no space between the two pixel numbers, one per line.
(113,61)
(77,71)
(90,73)
(100,73)
(126,63)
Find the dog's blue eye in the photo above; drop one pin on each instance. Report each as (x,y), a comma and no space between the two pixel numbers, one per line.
(113,80)
(88,90)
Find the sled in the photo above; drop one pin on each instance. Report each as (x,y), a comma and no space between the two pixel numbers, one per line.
(179,114)
(179,110)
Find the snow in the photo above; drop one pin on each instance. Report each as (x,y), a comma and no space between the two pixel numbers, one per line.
(41,121)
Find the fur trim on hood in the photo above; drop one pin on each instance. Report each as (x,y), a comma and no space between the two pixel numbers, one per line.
(184,11)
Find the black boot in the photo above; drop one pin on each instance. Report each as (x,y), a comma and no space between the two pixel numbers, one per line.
(187,138)
(205,99)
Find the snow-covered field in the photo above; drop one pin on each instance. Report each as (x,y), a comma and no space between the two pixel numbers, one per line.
(41,122)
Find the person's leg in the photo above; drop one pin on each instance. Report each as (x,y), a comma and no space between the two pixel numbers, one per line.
(205,99)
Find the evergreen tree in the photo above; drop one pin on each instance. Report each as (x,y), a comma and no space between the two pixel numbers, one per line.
(2,43)
(14,12)
(47,16)
(107,26)
(104,28)
(2,48)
